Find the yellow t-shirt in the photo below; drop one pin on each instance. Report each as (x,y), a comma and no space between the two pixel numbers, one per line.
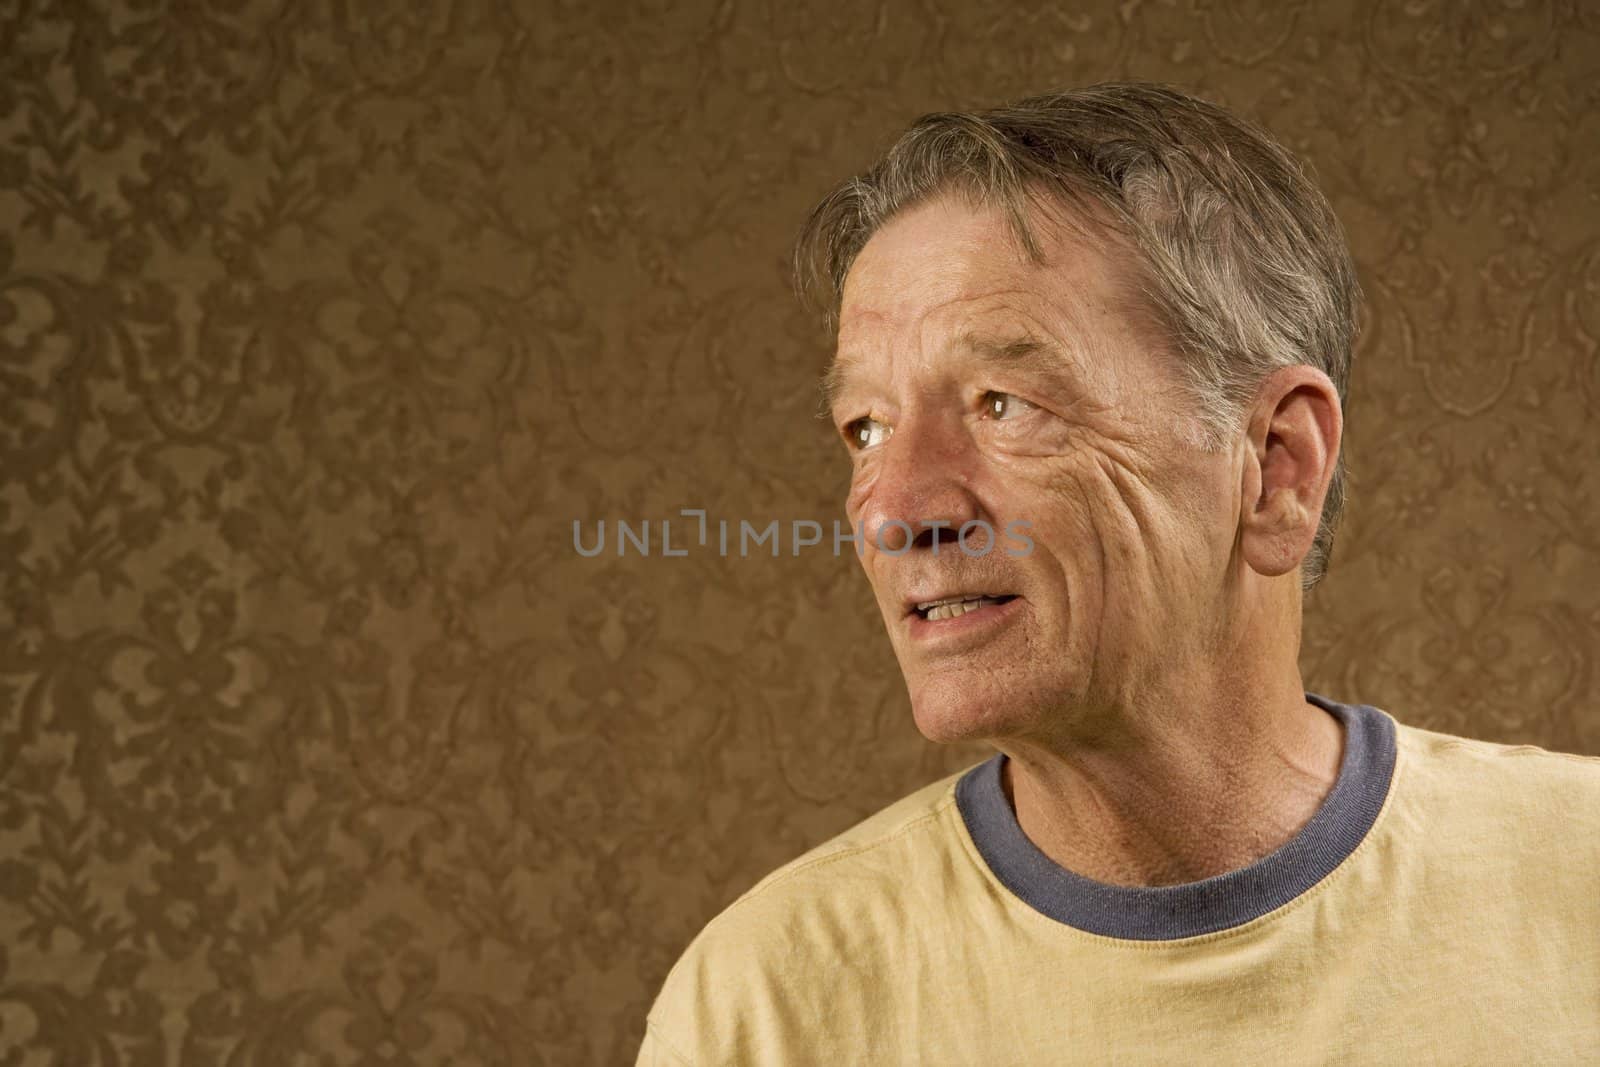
(1441,907)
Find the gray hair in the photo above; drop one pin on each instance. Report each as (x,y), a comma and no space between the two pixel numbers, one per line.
(1241,259)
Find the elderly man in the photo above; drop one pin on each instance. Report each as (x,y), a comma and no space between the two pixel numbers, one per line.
(1124,317)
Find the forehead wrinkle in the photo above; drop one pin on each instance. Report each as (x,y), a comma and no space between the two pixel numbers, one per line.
(1019,344)
(1014,350)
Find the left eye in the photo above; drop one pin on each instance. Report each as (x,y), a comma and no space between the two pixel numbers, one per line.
(1001,406)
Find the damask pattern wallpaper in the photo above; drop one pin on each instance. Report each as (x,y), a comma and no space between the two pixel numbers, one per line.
(320,323)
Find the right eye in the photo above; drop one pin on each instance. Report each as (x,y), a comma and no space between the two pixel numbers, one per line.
(866,433)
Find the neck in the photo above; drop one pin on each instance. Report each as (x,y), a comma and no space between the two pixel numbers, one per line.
(1202,776)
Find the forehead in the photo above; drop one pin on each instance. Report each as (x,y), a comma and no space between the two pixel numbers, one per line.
(945,262)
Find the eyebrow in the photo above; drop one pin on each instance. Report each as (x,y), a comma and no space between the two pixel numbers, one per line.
(832,384)
(1022,351)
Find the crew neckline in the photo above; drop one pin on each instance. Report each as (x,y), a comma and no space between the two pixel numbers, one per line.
(1164,913)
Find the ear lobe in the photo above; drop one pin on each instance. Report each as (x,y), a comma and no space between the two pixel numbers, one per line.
(1294,438)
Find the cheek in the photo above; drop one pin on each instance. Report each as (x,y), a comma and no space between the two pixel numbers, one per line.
(1097,521)
(1059,496)
(861,482)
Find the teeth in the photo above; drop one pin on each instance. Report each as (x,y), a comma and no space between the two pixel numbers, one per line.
(959,598)
(952,607)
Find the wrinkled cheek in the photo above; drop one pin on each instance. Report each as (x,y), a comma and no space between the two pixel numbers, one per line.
(1100,548)
(855,508)
(855,500)
(1063,512)
(1118,514)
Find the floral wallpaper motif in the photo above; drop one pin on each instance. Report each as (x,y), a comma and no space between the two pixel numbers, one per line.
(320,323)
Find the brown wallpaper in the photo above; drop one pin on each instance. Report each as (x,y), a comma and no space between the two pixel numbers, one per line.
(321,322)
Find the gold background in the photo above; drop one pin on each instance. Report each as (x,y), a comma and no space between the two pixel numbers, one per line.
(321,322)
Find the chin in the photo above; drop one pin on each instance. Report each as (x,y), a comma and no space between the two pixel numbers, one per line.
(967,707)
(948,714)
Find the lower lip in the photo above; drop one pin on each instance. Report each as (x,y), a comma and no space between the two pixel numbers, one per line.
(969,625)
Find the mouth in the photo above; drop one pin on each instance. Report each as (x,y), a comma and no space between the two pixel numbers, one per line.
(954,606)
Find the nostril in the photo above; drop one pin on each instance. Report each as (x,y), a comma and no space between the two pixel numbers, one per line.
(935,533)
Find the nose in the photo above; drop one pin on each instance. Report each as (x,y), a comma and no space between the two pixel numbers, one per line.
(923,490)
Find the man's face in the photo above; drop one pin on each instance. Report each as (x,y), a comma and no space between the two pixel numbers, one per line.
(974,385)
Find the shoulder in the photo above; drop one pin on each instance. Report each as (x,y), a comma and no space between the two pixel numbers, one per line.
(748,974)
(1531,798)
(868,848)
(874,860)
(1449,758)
